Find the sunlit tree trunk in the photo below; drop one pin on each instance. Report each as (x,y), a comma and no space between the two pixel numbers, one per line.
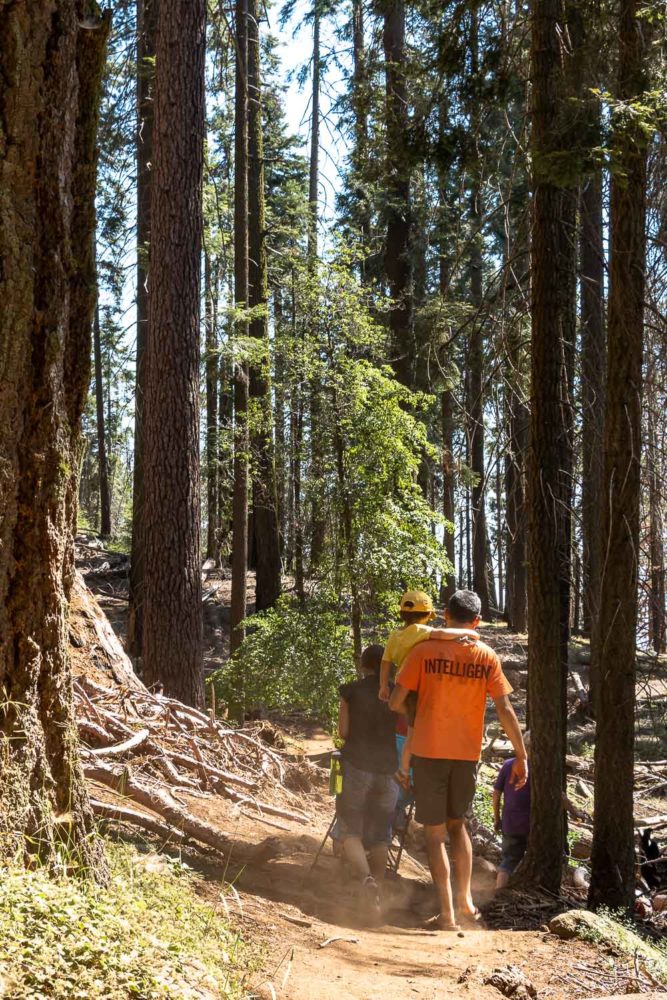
(241,438)
(397,259)
(51,79)
(552,271)
(172,623)
(147,11)
(615,639)
(264,497)
(102,460)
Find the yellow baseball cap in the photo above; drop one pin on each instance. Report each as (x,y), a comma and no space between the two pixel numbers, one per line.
(417,600)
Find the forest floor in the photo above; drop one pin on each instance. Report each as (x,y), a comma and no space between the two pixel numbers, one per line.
(304,921)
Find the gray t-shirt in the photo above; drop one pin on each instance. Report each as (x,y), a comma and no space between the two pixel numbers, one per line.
(371,744)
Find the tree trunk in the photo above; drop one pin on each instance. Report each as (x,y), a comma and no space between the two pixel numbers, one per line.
(264,496)
(48,160)
(360,104)
(147,12)
(102,462)
(519,423)
(552,263)
(614,648)
(318,523)
(241,438)
(475,403)
(593,363)
(657,623)
(212,367)
(448,585)
(172,626)
(397,260)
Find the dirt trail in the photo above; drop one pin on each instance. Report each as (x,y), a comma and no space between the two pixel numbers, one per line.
(278,902)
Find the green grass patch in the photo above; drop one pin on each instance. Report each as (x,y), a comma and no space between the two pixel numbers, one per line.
(618,934)
(147,936)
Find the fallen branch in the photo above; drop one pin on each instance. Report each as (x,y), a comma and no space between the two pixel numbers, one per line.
(338,937)
(121,781)
(119,748)
(123,814)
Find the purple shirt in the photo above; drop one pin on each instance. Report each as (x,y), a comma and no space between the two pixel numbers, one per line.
(516,804)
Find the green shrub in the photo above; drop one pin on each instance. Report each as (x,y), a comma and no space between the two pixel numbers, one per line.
(146,937)
(291,658)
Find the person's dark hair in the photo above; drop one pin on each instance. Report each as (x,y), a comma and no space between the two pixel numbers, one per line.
(371,658)
(414,617)
(464,606)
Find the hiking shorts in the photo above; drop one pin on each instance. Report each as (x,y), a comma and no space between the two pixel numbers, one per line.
(365,807)
(444,789)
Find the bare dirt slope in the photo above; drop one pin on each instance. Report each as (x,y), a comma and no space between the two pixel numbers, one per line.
(292,911)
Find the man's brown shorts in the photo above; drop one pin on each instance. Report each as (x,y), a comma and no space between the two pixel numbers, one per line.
(444,789)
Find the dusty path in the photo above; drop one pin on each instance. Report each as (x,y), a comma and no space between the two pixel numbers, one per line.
(278,902)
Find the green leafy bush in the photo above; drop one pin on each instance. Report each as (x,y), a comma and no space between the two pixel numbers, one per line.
(292,658)
(146,937)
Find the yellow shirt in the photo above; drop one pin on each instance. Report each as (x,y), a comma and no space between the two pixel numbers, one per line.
(402,640)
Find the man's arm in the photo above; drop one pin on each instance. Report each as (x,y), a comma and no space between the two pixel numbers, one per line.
(385,671)
(510,724)
(343,719)
(397,698)
(495,796)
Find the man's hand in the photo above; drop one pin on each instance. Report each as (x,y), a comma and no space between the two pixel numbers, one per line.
(497,824)
(384,692)
(519,775)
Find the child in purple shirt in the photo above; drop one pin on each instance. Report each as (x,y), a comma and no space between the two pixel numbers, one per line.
(515,822)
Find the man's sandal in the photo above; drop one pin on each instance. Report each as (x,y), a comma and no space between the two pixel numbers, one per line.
(436,924)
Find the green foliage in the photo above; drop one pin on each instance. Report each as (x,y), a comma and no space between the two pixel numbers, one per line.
(482,806)
(617,933)
(147,936)
(292,658)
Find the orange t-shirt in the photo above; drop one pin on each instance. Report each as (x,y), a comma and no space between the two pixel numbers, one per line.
(452,678)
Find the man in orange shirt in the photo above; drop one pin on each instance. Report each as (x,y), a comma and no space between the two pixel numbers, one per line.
(452,678)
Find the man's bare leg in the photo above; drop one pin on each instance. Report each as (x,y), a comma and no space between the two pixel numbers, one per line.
(439,865)
(502,879)
(353,851)
(461,849)
(377,859)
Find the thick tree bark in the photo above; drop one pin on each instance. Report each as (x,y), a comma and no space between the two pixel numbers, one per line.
(264,496)
(448,585)
(593,364)
(397,259)
(518,419)
(359,97)
(553,267)
(172,626)
(614,647)
(241,439)
(147,12)
(48,164)
(102,461)
(475,403)
(318,523)
(657,622)
(212,367)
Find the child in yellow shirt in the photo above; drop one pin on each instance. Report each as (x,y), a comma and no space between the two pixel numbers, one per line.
(416,609)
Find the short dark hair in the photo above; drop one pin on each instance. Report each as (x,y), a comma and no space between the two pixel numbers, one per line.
(464,606)
(371,658)
(413,617)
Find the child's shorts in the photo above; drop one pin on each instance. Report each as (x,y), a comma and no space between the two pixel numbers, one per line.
(514,848)
(366,805)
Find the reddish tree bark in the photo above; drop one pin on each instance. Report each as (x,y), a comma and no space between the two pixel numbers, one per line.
(48,164)
(172,626)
